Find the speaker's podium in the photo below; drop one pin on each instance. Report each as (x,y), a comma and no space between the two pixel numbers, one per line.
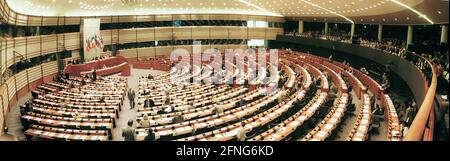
(103,67)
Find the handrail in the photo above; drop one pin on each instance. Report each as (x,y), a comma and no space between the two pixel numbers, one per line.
(417,128)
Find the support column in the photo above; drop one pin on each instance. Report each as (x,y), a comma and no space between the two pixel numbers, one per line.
(300,26)
(326,27)
(409,39)
(444,34)
(352,31)
(380,32)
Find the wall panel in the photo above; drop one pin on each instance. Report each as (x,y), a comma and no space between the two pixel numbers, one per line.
(200,33)
(127,36)
(146,35)
(10,83)
(21,79)
(219,33)
(146,52)
(163,18)
(238,33)
(257,33)
(163,34)
(182,33)
(164,51)
(129,53)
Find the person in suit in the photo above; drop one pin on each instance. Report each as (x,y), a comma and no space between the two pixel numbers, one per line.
(386,85)
(283,97)
(28,107)
(242,132)
(167,101)
(190,106)
(178,119)
(57,78)
(150,135)
(170,109)
(94,75)
(35,94)
(145,122)
(149,103)
(102,100)
(63,105)
(218,109)
(23,110)
(133,96)
(147,92)
(129,133)
(149,76)
(160,112)
(242,102)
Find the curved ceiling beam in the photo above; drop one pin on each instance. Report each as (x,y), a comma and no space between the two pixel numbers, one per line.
(412,9)
(333,12)
(259,8)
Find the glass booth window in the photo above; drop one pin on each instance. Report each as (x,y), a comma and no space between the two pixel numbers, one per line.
(257,24)
(254,42)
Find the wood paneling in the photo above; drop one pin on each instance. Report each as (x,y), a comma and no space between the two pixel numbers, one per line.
(9,92)
(166,50)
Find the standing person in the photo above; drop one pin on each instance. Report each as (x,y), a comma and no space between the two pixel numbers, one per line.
(94,75)
(133,96)
(130,98)
(129,132)
(242,132)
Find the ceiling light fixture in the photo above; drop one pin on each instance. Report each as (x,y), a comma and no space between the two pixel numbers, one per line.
(333,12)
(412,9)
(131,2)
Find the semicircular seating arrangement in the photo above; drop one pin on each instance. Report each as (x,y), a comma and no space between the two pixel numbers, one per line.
(118,70)
(314,97)
(306,100)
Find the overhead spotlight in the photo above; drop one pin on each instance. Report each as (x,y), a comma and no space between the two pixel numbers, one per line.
(131,2)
